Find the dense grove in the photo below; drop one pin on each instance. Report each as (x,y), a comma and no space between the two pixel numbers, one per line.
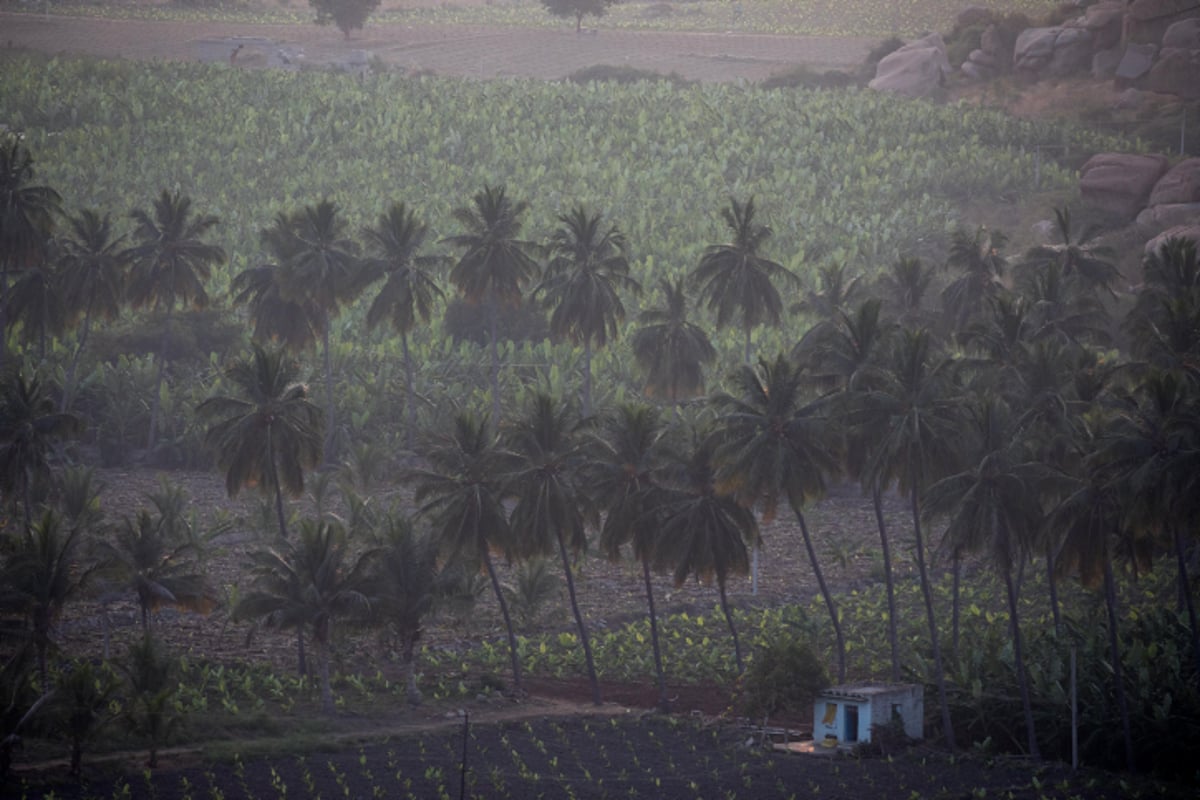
(501,307)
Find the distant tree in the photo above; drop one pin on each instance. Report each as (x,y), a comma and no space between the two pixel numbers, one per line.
(170,264)
(268,435)
(578,9)
(29,428)
(27,215)
(348,15)
(82,704)
(671,350)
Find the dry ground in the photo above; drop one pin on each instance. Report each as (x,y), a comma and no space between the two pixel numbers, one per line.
(464,51)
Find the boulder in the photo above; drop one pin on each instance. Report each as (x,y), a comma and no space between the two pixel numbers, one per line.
(977,72)
(1052,52)
(1136,62)
(1177,71)
(983,58)
(1185,35)
(915,70)
(972,15)
(1181,184)
(1149,20)
(1103,21)
(1158,218)
(997,45)
(1181,231)
(1105,63)
(1132,100)
(1119,184)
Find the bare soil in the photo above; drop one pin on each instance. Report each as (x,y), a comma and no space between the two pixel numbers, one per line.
(462,51)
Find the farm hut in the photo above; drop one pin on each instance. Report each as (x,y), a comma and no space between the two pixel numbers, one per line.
(844,715)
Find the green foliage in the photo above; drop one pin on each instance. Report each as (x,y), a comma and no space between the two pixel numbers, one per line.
(578,9)
(348,15)
(783,676)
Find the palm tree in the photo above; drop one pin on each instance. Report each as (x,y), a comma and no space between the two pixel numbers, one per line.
(587,268)
(495,264)
(154,556)
(308,584)
(40,577)
(83,705)
(35,302)
(904,287)
(1091,524)
(459,492)
(170,264)
(977,257)
(93,268)
(409,291)
(1151,451)
(846,355)
(835,291)
(775,446)
(276,313)
(702,531)
(320,271)
(1165,318)
(995,506)
(670,350)
(1081,260)
(269,435)
(624,466)
(912,417)
(734,279)
(27,214)
(29,428)
(402,587)
(553,508)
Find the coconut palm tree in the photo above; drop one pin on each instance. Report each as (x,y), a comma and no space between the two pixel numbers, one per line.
(912,417)
(846,355)
(977,257)
(1081,260)
(495,264)
(904,287)
(552,507)
(36,304)
(93,267)
(269,435)
(402,585)
(1092,527)
(460,493)
(735,280)
(29,428)
(671,350)
(308,584)
(155,556)
(994,506)
(773,446)
(27,217)
(409,291)
(40,576)
(170,263)
(702,531)
(1165,318)
(588,267)
(276,313)
(835,291)
(626,456)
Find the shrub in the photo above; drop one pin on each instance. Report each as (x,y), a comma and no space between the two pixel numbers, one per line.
(784,676)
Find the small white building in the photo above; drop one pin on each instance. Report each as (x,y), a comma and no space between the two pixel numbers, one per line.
(844,715)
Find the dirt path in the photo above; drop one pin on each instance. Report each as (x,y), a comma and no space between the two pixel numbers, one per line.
(463,51)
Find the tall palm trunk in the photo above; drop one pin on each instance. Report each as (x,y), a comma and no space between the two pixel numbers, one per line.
(410,408)
(274,478)
(1052,583)
(886,548)
(69,380)
(587,377)
(756,548)
(583,634)
(152,434)
(494,355)
(321,639)
(512,639)
(1114,649)
(737,645)
(825,595)
(408,658)
(664,705)
(1014,623)
(301,656)
(927,596)
(330,417)
(1185,589)
(955,604)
